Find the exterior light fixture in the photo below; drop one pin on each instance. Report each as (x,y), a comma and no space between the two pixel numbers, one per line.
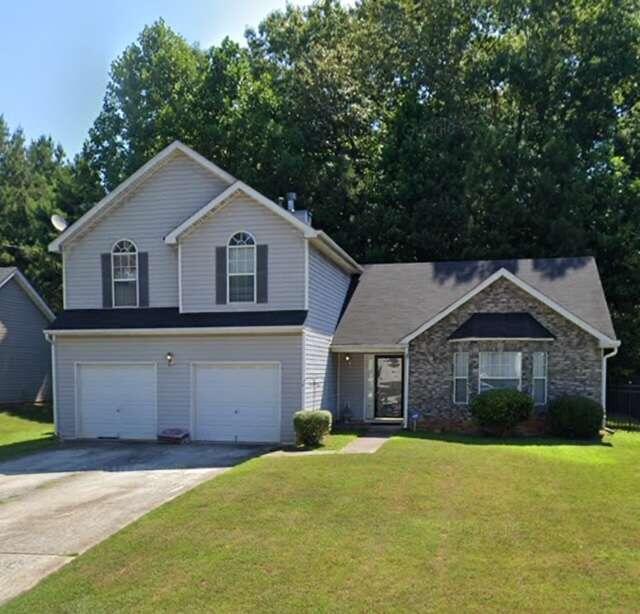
(170,358)
(347,358)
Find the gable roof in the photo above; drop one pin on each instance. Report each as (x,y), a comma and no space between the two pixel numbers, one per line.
(317,237)
(394,303)
(219,201)
(131,183)
(9,273)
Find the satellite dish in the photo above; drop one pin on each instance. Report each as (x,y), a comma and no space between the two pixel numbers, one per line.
(59,223)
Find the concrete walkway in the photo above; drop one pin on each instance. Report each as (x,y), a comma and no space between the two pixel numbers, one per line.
(56,504)
(367,444)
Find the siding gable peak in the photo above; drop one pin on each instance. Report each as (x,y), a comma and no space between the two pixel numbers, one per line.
(131,183)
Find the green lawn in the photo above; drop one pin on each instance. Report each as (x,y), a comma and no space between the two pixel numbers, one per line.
(24,428)
(335,441)
(426,523)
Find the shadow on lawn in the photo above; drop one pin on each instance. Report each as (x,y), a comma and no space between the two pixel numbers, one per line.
(476,440)
(10,451)
(41,412)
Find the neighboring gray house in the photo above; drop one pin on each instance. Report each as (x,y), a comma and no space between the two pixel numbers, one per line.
(25,356)
(193,301)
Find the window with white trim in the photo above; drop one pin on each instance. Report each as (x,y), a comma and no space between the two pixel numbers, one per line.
(539,380)
(461,378)
(500,370)
(124,273)
(241,268)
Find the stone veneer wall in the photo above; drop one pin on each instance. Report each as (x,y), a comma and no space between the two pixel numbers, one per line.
(574,358)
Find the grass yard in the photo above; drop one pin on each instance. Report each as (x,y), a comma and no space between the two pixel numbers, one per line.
(426,523)
(335,441)
(24,428)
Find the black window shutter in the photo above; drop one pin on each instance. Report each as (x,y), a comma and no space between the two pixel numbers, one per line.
(143,278)
(221,275)
(262,281)
(105,262)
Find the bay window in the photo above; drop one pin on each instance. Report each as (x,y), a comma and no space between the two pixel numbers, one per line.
(539,380)
(500,370)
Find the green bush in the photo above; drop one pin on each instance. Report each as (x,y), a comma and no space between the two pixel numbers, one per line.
(499,411)
(575,416)
(311,426)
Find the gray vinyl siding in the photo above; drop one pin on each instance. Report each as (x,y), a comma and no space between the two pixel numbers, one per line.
(351,385)
(25,355)
(174,383)
(172,194)
(328,286)
(320,373)
(286,270)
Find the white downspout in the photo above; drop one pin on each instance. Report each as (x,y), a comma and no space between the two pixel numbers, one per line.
(603,391)
(405,421)
(52,340)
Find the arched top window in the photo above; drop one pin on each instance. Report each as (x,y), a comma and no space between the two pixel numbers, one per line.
(124,273)
(241,268)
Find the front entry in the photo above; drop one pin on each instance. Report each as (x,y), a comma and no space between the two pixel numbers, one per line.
(388,386)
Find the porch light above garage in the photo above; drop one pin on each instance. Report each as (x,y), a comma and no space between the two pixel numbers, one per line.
(487,326)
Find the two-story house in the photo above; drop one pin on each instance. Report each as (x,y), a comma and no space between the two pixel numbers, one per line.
(192,301)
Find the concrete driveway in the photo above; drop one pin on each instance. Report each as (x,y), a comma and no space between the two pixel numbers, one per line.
(58,503)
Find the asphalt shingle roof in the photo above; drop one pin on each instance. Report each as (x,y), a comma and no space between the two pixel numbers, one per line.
(393,300)
(6,272)
(515,325)
(170,317)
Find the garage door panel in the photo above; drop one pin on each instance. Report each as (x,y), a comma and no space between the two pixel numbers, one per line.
(237,402)
(117,400)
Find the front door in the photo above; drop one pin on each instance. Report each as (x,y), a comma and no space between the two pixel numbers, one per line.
(388,386)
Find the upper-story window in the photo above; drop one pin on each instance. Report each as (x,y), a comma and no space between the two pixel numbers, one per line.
(124,272)
(241,268)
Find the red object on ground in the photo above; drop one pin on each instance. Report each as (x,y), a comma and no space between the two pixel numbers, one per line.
(174,436)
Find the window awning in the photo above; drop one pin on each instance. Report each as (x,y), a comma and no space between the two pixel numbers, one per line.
(501,326)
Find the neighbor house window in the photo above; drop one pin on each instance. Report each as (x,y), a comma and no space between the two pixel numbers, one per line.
(539,386)
(500,370)
(461,378)
(241,268)
(124,272)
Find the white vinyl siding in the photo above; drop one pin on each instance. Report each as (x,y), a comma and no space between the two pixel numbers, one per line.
(539,378)
(174,382)
(25,355)
(500,370)
(320,378)
(173,193)
(328,286)
(461,378)
(286,270)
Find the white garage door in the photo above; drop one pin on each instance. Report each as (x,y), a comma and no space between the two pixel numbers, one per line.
(237,402)
(117,400)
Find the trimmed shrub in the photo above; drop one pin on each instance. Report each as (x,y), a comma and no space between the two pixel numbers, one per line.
(499,411)
(311,426)
(575,416)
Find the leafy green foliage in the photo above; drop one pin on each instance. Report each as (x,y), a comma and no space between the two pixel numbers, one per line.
(575,416)
(413,130)
(499,411)
(36,181)
(311,426)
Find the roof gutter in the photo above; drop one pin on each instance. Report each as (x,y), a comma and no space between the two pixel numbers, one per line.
(603,391)
(194,330)
(327,245)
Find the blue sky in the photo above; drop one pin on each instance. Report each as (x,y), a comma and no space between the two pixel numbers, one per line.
(55,55)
